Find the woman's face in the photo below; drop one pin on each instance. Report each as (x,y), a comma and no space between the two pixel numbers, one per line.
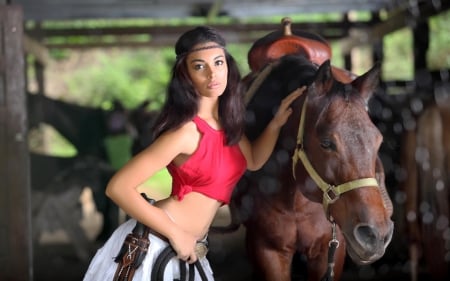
(208,69)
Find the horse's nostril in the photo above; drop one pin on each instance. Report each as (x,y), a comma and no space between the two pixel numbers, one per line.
(366,236)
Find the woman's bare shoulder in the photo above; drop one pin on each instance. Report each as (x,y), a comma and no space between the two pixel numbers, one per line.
(186,136)
(187,130)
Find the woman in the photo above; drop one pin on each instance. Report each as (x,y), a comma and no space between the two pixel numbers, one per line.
(199,138)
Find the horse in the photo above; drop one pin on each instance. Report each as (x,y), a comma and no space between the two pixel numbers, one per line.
(425,159)
(143,121)
(415,151)
(86,128)
(332,204)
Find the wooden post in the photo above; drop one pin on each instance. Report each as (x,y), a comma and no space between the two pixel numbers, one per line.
(347,55)
(41,56)
(348,61)
(15,214)
(422,75)
(378,56)
(39,70)
(421,43)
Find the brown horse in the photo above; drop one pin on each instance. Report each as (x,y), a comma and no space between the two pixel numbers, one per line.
(426,161)
(323,186)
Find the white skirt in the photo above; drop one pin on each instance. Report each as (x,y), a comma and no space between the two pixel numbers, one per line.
(103,267)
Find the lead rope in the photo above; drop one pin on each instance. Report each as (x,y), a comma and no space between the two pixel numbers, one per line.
(332,246)
(163,259)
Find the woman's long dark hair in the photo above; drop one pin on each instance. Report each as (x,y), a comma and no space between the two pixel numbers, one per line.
(182,99)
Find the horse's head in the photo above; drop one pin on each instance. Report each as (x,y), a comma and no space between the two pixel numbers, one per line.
(337,151)
(127,131)
(143,120)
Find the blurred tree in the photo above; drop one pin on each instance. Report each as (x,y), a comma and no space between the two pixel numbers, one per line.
(439,50)
(130,76)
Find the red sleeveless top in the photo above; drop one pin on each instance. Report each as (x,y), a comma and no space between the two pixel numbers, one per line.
(213,169)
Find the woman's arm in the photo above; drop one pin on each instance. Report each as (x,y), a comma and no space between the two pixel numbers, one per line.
(122,188)
(259,151)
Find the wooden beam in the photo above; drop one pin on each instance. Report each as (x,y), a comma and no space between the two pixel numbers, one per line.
(157,41)
(396,20)
(159,36)
(318,27)
(239,9)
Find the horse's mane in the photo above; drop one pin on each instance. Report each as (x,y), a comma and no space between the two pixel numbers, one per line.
(289,73)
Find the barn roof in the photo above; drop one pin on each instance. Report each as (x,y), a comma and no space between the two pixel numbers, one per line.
(238,9)
(246,20)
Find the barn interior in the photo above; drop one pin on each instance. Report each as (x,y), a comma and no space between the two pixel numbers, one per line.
(30,32)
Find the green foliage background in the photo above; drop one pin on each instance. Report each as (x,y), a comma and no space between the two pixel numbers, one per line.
(130,76)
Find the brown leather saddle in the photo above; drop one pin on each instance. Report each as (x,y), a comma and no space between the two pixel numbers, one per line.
(277,44)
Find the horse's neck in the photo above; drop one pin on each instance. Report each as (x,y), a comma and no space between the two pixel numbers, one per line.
(75,123)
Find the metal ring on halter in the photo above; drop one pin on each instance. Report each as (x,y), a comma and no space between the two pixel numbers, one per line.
(333,241)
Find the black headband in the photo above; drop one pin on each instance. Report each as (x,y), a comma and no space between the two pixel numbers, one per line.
(200,49)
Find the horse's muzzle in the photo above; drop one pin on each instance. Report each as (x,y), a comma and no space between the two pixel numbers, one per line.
(369,244)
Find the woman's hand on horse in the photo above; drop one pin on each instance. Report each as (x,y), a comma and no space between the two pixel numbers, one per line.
(184,245)
(285,110)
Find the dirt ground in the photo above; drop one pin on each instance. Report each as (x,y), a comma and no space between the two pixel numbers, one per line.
(56,260)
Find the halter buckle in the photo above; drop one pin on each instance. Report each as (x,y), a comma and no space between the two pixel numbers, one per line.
(331,195)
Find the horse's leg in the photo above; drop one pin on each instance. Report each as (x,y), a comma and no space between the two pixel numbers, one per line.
(411,189)
(445,115)
(445,112)
(269,264)
(110,220)
(433,192)
(105,206)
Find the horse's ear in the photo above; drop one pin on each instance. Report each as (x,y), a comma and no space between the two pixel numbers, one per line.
(368,82)
(324,78)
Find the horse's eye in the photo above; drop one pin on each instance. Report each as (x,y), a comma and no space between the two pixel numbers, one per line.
(327,144)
